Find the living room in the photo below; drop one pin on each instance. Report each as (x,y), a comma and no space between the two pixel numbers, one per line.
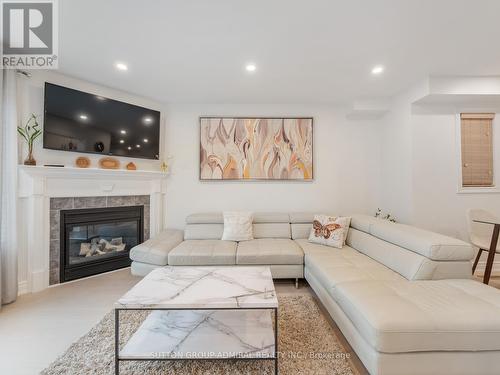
(266,187)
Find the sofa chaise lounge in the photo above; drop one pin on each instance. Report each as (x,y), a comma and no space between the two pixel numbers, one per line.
(402,296)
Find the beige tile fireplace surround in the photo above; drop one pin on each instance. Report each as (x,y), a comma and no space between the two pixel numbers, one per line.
(41,189)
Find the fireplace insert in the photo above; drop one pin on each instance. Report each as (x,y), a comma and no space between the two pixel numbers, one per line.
(98,240)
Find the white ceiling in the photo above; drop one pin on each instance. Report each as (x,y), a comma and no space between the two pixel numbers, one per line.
(305,50)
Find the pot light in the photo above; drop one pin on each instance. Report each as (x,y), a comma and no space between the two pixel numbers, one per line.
(138,146)
(148,120)
(121,66)
(123,131)
(145,140)
(83,117)
(378,69)
(129,147)
(251,67)
(122,141)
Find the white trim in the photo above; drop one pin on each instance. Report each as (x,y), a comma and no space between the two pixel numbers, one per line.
(87,277)
(495,189)
(22,287)
(38,184)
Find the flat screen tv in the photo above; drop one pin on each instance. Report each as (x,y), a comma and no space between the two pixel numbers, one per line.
(81,122)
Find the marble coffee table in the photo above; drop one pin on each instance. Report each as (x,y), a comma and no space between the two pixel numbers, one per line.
(199,313)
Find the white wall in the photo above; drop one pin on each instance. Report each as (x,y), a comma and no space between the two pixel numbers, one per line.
(436,162)
(30,99)
(420,168)
(346,166)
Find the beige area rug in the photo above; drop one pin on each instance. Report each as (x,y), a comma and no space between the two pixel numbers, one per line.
(307,345)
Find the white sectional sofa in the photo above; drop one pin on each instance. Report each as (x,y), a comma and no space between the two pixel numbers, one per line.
(403,297)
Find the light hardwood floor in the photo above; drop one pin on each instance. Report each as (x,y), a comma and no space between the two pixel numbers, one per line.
(39,327)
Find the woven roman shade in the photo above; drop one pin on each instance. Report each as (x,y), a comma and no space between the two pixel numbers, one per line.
(477,149)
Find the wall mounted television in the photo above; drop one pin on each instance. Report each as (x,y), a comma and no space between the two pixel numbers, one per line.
(82,122)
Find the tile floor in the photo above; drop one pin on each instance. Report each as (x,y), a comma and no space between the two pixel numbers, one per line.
(39,327)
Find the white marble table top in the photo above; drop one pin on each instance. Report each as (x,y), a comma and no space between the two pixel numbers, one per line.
(202,287)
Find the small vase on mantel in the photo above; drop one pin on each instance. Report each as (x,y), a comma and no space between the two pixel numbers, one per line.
(30,160)
(30,132)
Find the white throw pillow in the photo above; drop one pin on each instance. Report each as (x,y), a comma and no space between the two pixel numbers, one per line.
(237,226)
(329,230)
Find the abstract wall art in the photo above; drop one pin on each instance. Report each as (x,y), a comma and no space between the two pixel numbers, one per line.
(256,148)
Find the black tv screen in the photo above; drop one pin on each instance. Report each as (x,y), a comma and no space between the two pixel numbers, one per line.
(81,122)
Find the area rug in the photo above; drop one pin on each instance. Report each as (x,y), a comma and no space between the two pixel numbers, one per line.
(307,345)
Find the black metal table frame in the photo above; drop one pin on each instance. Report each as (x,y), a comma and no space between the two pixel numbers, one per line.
(117,337)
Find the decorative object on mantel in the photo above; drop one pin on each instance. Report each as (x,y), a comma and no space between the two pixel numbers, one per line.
(30,132)
(131,166)
(109,163)
(82,162)
(379,214)
(246,148)
(165,165)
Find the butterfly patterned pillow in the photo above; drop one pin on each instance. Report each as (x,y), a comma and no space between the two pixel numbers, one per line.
(329,230)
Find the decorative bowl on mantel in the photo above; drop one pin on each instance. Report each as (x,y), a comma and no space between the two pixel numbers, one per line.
(82,162)
(109,163)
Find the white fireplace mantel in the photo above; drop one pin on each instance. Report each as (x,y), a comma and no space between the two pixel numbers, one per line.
(37,184)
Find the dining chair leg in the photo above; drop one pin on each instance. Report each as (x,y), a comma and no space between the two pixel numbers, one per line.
(491,254)
(477,260)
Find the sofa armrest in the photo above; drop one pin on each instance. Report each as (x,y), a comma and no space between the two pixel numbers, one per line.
(155,250)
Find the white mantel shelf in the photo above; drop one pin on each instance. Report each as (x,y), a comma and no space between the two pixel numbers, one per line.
(38,184)
(73,172)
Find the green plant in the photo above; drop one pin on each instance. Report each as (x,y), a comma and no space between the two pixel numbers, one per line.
(388,216)
(30,132)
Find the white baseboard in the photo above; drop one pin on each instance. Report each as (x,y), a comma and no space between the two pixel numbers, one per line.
(22,287)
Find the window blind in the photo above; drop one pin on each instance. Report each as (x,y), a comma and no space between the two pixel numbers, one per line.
(477,149)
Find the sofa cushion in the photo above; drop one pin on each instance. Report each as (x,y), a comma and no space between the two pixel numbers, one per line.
(269,251)
(411,265)
(271,230)
(363,222)
(203,252)
(333,266)
(431,245)
(155,250)
(203,231)
(419,316)
(300,230)
(329,230)
(238,226)
(271,217)
(205,218)
(301,217)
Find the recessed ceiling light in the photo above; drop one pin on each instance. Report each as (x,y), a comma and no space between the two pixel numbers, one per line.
(83,117)
(129,147)
(121,66)
(138,146)
(148,120)
(123,131)
(122,141)
(378,69)
(251,67)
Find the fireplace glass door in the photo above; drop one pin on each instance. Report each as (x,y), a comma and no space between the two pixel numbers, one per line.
(98,240)
(90,242)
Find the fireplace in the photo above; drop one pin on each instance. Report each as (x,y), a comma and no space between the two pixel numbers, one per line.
(98,240)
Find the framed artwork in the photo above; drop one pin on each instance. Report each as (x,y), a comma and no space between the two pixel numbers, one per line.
(260,148)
